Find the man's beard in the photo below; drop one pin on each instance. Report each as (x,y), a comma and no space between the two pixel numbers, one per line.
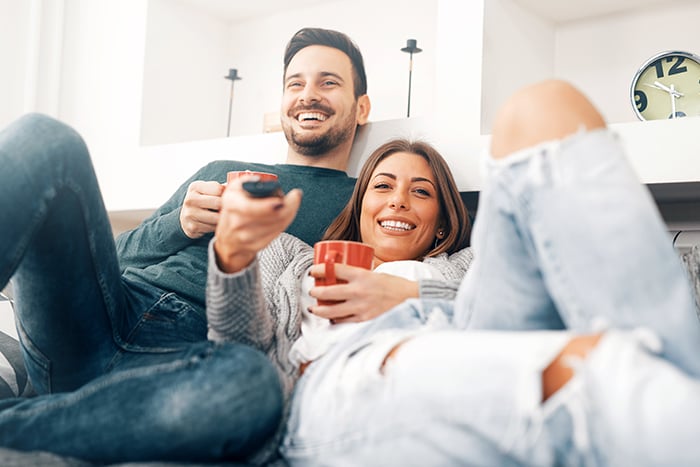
(319,144)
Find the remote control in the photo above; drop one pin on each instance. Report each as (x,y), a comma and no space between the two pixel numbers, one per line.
(260,189)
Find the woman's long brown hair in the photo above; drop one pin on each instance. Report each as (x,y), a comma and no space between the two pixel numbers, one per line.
(453,214)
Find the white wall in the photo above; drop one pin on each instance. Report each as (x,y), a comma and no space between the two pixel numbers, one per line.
(44,81)
(101,82)
(14,36)
(80,61)
(604,69)
(31,42)
(520,50)
(185,97)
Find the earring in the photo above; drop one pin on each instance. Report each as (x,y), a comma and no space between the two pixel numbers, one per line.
(439,236)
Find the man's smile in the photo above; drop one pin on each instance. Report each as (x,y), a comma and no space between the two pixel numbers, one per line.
(311,116)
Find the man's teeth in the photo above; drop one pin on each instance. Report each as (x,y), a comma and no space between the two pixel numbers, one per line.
(396,225)
(311,116)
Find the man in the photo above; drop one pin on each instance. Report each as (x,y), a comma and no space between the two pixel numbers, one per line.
(114,339)
(323,103)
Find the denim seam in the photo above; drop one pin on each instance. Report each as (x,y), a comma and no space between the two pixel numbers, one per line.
(113,378)
(105,293)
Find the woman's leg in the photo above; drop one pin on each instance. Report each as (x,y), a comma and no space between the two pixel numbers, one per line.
(627,405)
(445,398)
(55,238)
(567,236)
(209,402)
(476,398)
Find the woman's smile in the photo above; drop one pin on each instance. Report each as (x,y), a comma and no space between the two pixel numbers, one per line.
(400,209)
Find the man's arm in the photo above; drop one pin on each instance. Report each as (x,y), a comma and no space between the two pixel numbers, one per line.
(162,234)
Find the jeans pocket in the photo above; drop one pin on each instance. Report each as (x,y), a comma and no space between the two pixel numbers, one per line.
(170,324)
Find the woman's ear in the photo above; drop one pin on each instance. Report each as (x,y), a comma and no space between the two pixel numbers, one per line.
(440,234)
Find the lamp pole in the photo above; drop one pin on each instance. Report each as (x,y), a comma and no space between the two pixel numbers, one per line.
(233,76)
(411,48)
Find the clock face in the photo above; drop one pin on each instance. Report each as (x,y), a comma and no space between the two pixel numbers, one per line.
(667,86)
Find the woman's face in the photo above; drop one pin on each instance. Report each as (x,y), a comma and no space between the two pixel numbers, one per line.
(400,209)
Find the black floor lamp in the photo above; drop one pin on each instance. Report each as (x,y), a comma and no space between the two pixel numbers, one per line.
(233,76)
(411,48)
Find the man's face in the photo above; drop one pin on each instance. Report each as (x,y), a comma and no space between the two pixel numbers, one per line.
(319,109)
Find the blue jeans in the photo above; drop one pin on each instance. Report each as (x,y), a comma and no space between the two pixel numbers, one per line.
(565,237)
(123,372)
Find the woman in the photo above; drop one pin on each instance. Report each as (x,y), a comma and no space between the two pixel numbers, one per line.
(405,204)
(415,388)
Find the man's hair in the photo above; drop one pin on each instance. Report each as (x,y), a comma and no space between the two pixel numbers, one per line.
(454,218)
(329,38)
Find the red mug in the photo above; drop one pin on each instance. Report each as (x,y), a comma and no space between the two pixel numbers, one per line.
(261,176)
(330,252)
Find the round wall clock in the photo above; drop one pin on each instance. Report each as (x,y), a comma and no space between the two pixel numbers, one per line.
(667,86)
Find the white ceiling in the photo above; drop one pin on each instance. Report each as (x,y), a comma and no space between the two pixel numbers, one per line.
(554,10)
(560,11)
(236,10)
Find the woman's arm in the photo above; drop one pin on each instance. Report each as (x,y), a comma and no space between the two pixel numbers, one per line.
(260,304)
(236,305)
(368,294)
(453,269)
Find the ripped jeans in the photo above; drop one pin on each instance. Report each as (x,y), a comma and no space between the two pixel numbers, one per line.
(566,241)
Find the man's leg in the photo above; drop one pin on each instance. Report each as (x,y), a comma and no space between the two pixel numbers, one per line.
(56,239)
(209,402)
(188,399)
(567,236)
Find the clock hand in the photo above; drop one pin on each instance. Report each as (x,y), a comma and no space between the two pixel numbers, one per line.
(673,101)
(670,90)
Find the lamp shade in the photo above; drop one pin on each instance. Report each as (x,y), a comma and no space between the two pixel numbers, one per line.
(233,74)
(411,47)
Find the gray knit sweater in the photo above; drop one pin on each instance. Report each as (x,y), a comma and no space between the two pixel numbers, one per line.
(260,306)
